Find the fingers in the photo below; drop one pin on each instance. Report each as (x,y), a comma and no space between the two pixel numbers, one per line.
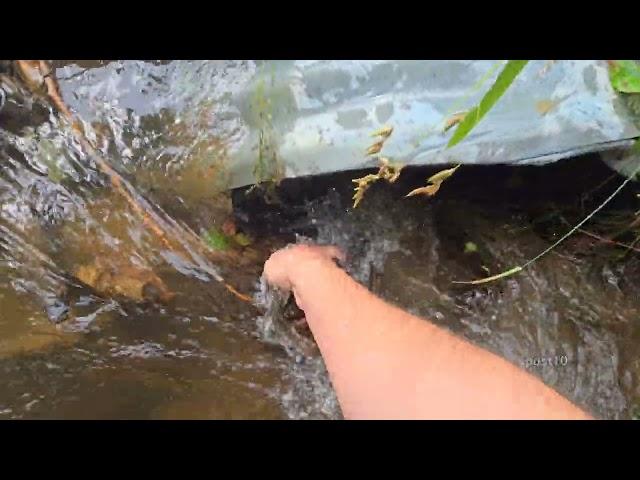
(276,271)
(335,253)
(284,265)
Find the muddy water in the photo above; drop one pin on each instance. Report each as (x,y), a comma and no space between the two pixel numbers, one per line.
(68,351)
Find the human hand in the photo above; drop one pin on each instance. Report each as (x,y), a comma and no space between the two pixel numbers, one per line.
(285,267)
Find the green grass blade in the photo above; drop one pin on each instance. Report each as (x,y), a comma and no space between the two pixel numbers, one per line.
(508,273)
(502,83)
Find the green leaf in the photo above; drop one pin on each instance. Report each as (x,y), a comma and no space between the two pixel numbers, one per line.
(625,75)
(502,83)
(216,240)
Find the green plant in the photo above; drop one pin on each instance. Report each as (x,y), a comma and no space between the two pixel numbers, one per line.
(506,77)
(216,240)
(469,120)
(625,78)
(267,168)
(625,75)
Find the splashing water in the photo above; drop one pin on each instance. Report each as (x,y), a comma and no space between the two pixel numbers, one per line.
(168,130)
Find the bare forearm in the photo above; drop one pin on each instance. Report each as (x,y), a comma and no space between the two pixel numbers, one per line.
(386,363)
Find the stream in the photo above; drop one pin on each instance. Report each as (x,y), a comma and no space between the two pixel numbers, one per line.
(72,349)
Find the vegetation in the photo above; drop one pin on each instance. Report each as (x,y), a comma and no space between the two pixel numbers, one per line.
(466,122)
(625,79)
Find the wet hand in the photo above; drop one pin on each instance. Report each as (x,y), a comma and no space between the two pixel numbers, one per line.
(287,266)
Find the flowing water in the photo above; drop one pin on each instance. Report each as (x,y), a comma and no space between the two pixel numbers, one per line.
(68,350)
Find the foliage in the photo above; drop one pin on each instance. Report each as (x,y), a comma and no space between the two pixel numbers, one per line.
(467,121)
(220,241)
(216,240)
(506,77)
(625,75)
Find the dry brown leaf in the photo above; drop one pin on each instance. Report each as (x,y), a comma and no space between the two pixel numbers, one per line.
(434,183)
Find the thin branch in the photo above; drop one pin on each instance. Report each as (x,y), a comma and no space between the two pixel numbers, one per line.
(609,241)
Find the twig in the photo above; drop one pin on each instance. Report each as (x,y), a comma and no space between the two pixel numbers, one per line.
(609,241)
